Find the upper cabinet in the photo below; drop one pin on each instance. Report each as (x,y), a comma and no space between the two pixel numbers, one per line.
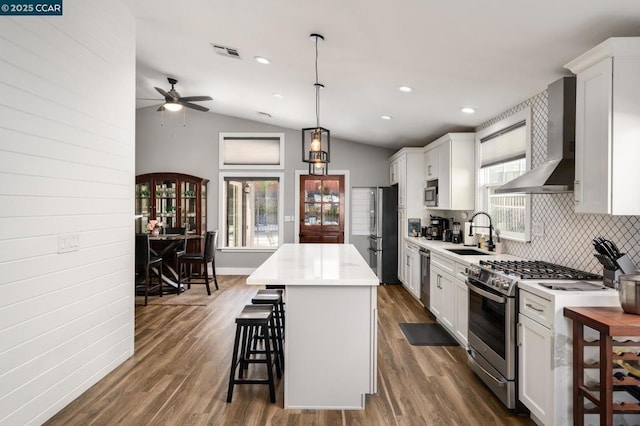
(608,127)
(431,162)
(453,162)
(405,168)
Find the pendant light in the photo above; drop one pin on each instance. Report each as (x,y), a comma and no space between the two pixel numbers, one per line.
(315,140)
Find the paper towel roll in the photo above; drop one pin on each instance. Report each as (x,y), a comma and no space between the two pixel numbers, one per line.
(468,240)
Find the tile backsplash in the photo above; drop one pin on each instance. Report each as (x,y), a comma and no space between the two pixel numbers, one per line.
(567,235)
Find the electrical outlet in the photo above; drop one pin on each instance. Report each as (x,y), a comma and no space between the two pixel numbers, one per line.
(68,242)
(537,229)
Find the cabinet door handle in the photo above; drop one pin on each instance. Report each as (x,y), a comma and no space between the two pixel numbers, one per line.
(576,192)
(529,305)
(429,170)
(519,337)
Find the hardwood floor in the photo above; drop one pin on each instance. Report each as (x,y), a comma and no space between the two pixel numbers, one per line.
(179,374)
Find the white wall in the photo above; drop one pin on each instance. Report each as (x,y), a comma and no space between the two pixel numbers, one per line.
(193,149)
(67,120)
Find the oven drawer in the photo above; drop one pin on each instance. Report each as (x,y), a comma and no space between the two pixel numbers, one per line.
(536,308)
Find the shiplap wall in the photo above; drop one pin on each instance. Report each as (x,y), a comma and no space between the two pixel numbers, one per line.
(67,126)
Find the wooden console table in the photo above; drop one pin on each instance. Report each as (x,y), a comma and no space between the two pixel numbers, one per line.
(609,322)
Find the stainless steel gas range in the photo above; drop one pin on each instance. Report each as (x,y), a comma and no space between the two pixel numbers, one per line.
(493,313)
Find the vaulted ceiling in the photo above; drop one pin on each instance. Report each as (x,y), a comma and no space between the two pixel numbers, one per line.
(485,54)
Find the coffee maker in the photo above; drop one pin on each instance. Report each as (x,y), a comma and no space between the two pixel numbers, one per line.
(438,225)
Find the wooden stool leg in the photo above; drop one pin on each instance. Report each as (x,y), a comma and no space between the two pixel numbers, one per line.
(234,361)
(267,346)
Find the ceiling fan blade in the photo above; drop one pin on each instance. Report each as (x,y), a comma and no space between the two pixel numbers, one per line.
(163,93)
(149,99)
(194,106)
(196,98)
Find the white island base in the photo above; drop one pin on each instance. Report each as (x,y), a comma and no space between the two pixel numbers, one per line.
(331,324)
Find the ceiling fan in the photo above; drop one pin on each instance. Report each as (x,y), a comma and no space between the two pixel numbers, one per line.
(174,102)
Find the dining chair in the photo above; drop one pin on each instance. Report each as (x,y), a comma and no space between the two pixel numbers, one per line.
(180,250)
(201,259)
(144,266)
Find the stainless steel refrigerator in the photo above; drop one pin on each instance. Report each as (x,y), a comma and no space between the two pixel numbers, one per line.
(383,233)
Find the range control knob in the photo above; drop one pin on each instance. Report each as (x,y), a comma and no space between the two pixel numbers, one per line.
(505,285)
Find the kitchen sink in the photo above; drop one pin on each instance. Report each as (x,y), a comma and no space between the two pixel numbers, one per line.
(468,252)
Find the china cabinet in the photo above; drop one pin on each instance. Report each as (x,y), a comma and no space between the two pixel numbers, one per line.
(174,199)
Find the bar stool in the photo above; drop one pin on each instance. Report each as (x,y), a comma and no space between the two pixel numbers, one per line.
(251,319)
(274,299)
(281,289)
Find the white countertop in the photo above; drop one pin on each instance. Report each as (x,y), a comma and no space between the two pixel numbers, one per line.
(315,264)
(442,246)
(597,297)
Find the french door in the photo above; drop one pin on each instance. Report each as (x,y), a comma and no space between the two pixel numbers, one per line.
(322,209)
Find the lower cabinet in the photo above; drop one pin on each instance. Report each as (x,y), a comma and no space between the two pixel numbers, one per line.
(412,269)
(449,296)
(535,347)
(462,311)
(545,356)
(402,247)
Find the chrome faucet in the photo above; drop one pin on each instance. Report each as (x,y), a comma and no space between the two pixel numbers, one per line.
(491,245)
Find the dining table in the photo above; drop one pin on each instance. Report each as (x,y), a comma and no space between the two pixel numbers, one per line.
(165,246)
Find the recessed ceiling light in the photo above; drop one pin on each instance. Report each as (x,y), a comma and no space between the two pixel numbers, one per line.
(262,60)
(468,110)
(386,117)
(278,95)
(405,89)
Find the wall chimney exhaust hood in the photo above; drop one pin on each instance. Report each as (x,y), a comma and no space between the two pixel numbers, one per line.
(557,174)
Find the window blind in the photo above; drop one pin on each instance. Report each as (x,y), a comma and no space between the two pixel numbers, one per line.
(506,145)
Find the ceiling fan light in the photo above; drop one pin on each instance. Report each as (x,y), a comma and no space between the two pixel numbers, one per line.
(172,106)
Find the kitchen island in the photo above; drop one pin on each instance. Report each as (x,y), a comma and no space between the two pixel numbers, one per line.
(331,324)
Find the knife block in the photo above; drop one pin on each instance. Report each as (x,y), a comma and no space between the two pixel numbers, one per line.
(610,277)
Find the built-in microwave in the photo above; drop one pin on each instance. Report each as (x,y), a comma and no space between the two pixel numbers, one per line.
(431,194)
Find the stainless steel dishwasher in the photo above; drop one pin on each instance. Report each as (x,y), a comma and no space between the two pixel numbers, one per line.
(425,271)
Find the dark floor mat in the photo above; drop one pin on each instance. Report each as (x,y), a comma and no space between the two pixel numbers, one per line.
(427,334)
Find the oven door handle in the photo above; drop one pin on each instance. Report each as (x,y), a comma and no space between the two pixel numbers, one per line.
(499,382)
(486,294)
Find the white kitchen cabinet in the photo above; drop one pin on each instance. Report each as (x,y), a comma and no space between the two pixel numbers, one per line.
(462,311)
(412,274)
(608,127)
(393,172)
(535,348)
(431,163)
(545,355)
(455,154)
(408,165)
(449,296)
(435,300)
(448,308)
(443,291)
(402,260)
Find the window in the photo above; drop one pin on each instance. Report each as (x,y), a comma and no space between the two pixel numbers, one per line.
(251,150)
(251,211)
(503,153)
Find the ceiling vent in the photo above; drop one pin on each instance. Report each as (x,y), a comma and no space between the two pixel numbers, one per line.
(229,52)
